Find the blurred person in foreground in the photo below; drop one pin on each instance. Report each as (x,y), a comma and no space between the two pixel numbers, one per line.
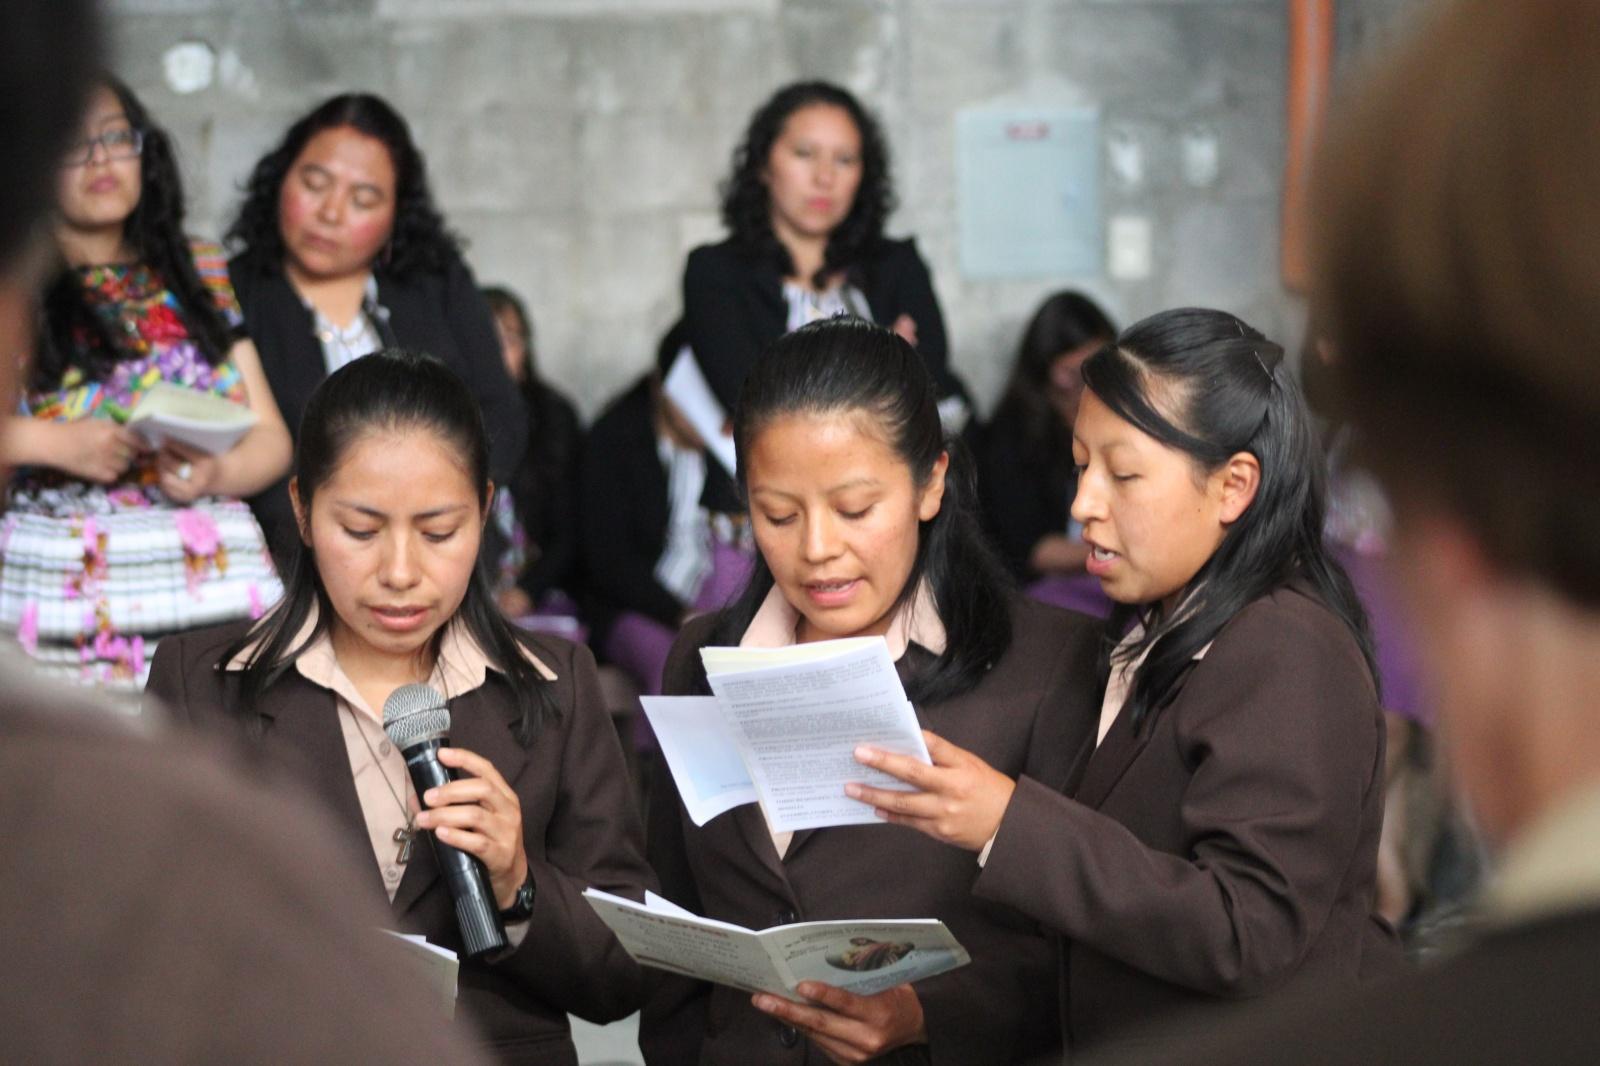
(135,921)
(1456,272)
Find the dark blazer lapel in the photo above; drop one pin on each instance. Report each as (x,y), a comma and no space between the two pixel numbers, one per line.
(1121,746)
(480,723)
(758,838)
(1110,760)
(302,724)
(796,842)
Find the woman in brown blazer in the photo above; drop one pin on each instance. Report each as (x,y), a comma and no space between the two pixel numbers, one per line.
(864,524)
(1217,838)
(390,492)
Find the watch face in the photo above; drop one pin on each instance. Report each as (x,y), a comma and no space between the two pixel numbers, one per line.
(521,908)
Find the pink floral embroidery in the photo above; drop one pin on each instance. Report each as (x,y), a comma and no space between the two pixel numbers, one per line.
(108,656)
(86,585)
(28,628)
(198,531)
(202,547)
(257,608)
(109,645)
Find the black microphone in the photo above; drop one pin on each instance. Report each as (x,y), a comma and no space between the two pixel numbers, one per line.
(417,720)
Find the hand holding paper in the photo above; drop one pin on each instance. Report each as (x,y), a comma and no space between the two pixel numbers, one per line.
(959,800)
(686,386)
(783,728)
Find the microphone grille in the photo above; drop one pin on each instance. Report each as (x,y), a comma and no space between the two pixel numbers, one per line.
(415,713)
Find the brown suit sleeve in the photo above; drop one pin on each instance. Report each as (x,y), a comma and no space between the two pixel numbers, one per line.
(569,958)
(1278,726)
(674,1018)
(164,907)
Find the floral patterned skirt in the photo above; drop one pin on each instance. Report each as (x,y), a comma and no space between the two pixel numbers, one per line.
(92,577)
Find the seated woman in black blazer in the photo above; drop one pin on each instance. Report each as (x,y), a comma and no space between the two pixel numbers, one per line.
(647,543)
(1026,476)
(341,252)
(537,520)
(391,491)
(864,522)
(1218,838)
(805,205)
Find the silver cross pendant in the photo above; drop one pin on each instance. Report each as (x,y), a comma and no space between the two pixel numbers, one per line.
(403,836)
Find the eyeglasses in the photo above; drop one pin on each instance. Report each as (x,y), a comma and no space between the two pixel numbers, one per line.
(119,144)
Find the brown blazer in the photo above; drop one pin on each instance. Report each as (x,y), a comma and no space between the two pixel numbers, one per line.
(1226,850)
(1522,994)
(158,906)
(1030,714)
(580,829)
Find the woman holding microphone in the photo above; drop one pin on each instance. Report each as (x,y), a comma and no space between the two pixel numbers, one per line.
(391,492)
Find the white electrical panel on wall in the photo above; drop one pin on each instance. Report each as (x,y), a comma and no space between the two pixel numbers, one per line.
(1028,188)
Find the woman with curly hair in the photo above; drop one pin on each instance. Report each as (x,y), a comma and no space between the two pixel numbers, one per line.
(805,206)
(109,543)
(341,252)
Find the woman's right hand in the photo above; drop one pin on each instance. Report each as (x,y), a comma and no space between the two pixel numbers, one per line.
(95,449)
(1056,553)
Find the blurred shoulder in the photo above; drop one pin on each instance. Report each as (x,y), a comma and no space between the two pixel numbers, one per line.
(1042,630)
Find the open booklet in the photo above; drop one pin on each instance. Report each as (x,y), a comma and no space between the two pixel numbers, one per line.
(864,957)
(199,419)
(781,729)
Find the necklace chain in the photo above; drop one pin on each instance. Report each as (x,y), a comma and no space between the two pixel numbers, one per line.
(402,836)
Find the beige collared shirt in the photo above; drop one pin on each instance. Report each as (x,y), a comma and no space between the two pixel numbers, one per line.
(383,786)
(1552,867)
(1121,680)
(915,622)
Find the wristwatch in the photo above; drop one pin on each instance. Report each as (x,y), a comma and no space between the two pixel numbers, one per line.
(521,908)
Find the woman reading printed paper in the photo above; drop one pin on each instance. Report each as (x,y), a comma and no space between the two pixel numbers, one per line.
(1219,836)
(863,519)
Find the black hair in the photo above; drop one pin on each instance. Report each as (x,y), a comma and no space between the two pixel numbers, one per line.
(387,391)
(1224,390)
(501,300)
(747,203)
(1065,321)
(419,240)
(552,441)
(845,365)
(73,336)
(47,55)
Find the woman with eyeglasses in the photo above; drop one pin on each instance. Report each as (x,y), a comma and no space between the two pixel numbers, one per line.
(110,542)
(341,252)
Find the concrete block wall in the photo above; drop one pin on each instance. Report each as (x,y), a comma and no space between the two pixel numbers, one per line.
(577,144)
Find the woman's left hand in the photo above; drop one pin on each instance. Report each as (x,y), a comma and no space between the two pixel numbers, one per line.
(906,327)
(481,816)
(186,473)
(848,1027)
(960,798)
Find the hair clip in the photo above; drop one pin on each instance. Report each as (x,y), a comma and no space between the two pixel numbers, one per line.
(1262,363)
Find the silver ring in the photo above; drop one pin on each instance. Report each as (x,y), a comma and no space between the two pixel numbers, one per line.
(184,470)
